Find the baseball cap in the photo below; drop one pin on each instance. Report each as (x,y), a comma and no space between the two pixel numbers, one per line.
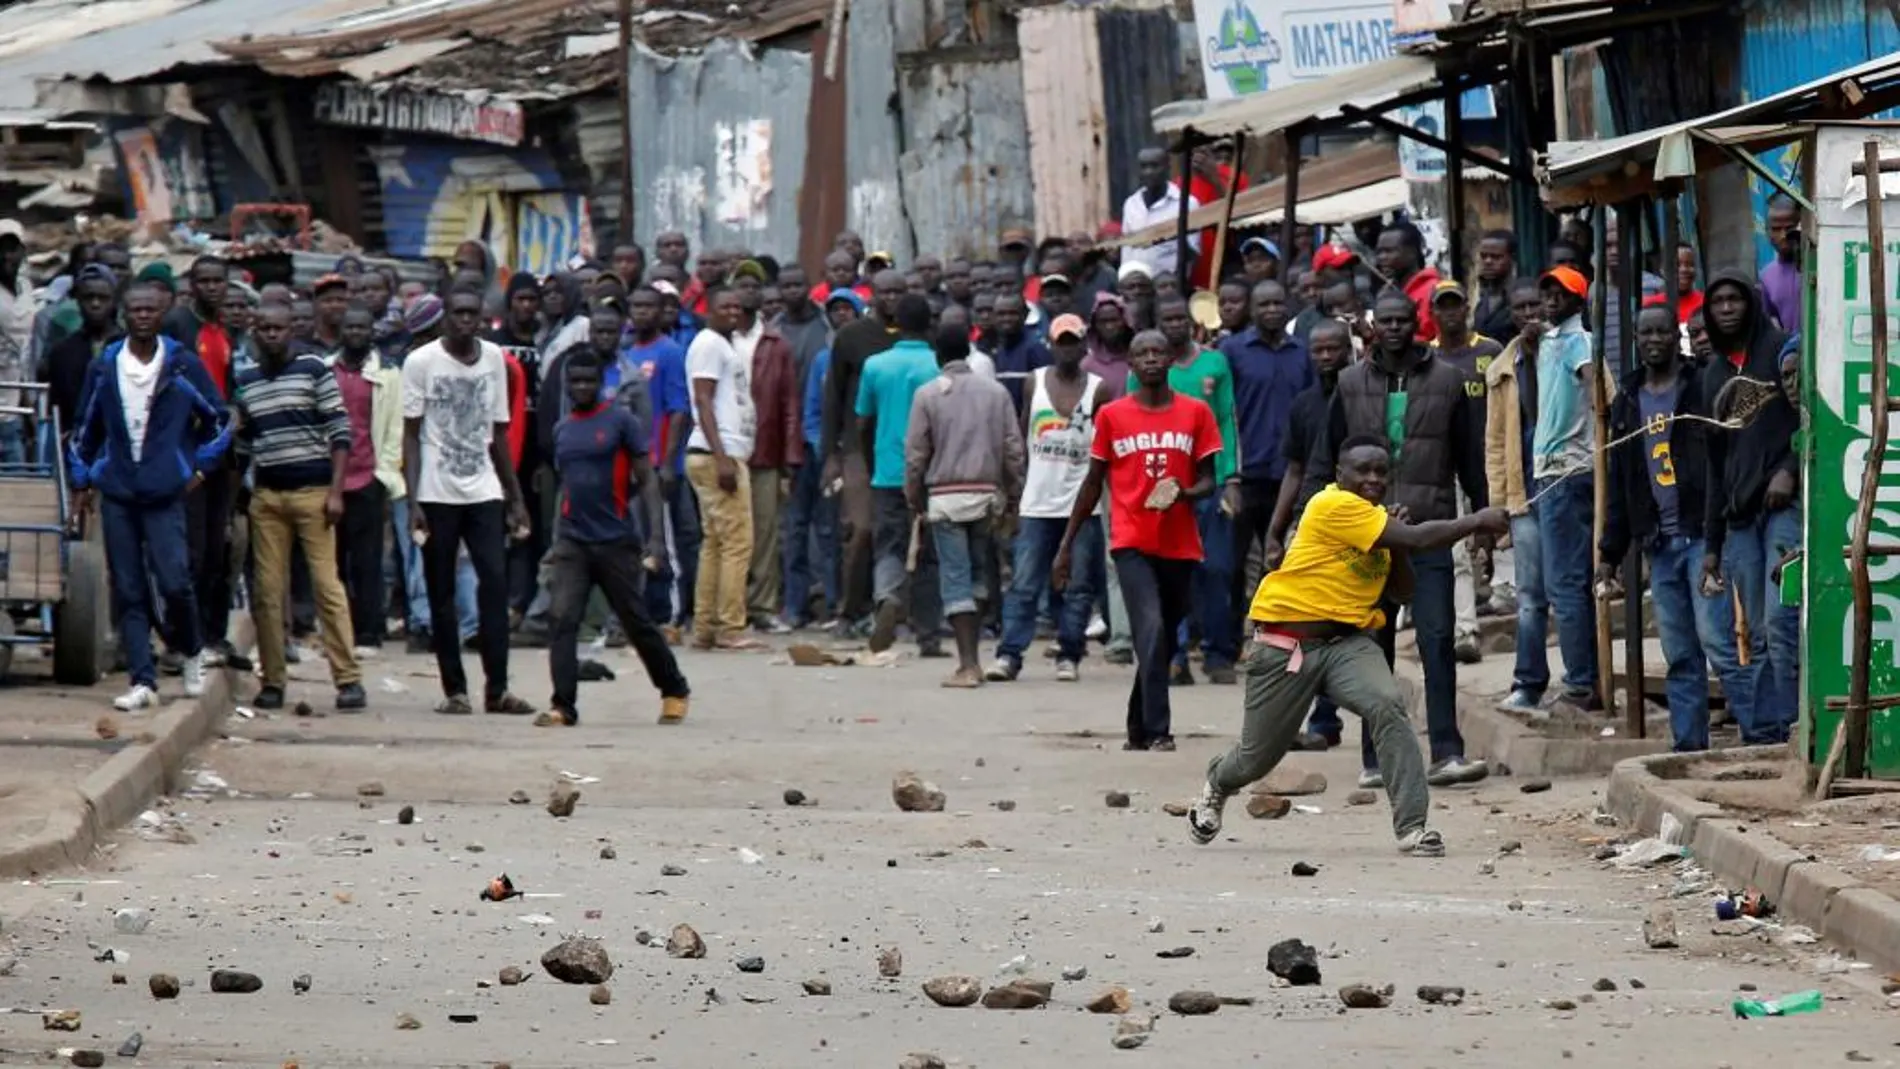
(1569,278)
(1133,267)
(880,256)
(1015,236)
(328,282)
(12,228)
(1067,325)
(666,289)
(1056,280)
(1448,288)
(1328,257)
(1263,245)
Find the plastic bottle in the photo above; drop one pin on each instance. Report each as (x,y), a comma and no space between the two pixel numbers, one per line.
(1786,1005)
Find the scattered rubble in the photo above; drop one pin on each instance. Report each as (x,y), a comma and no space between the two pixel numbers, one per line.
(132,1045)
(300,984)
(60,1020)
(1365,996)
(163,985)
(406,1022)
(672,870)
(584,961)
(1132,1031)
(406,815)
(1440,994)
(1114,1000)
(1004,805)
(913,794)
(1268,806)
(562,798)
(519,798)
(608,853)
(817,986)
(511,975)
(1302,868)
(921,1060)
(1362,797)
(1175,809)
(1194,1003)
(683,942)
(1117,799)
(1659,928)
(234,982)
(371,789)
(1075,973)
(1175,952)
(752,964)
(1018,995)
(601,995)
(954,991)
(1603,983)
(88,1059)
(890,963)
(794,796)
(1534,785)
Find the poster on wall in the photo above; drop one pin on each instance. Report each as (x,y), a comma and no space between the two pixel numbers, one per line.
(165,175)
(742,179)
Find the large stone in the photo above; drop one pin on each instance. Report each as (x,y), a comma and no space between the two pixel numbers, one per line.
(164,985)
(683,942)
(89,1059)
(1365,997)
(1194,1003)
(954,991)
(562,799)
(1132,1031)
(914,794)
(1441,994)
(1268,807)
(890,963)
(1114,1000)
(1291,780)
(1295,962)
(233,982)
(1018,995)
(578,961)
(1659,928)
(921,1060)
(60,1020)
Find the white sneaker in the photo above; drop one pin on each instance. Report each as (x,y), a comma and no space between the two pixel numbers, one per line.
(194,673)
(367,653)
(138,698)
(1371,780)
(1002,670)
(1422,842)
(1067,672)
(1097,629)
(1205,815)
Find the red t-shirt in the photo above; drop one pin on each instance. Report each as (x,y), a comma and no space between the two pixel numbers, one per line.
(517,408)
(214,352)
(1141,447)
(1686,305)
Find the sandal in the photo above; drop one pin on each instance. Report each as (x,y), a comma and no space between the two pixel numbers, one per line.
(509,705)
(455,705)
(557,717)
(963,679)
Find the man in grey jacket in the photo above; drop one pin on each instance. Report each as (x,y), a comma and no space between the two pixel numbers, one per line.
(963,461)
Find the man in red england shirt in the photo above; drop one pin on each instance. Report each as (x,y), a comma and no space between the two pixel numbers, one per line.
(1401,258)
(1155,450)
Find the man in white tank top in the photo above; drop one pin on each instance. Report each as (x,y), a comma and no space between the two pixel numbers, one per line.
(1058,428)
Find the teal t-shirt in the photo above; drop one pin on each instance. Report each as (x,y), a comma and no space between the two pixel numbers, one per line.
(885,388)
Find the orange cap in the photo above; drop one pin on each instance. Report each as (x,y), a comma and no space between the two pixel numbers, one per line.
(1069,324)
(1569,278)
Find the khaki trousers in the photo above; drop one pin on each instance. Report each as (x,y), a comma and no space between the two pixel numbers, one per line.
(281,519)
(725,551)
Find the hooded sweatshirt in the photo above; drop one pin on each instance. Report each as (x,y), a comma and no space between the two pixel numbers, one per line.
(1741,462)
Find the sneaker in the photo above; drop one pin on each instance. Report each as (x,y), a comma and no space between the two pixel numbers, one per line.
(293,653)
(773,625)
(884,631)
(1067,672)
(1522,701)
(557,717)
(673,710)
(1453,771)
(268,697)
(1119,656)
(1003,670)
(1222,675)
(508,705)
(1371,780)
(193,669)
(1467,651)
(1204,815)
(367,653)
(1164,744)
(1097,629)
(350,698)
(139,698)
(1422,842)
(1181,675)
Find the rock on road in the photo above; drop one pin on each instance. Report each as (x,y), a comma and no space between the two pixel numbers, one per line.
(294,874)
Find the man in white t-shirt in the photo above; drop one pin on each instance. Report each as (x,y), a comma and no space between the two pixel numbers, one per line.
(723,426)
(455,458)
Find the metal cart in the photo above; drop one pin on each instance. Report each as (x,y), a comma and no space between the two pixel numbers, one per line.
(53,583)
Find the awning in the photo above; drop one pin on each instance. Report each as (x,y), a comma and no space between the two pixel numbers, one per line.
(1322,178)
(1370,86)
(1340,208)
(1577,172)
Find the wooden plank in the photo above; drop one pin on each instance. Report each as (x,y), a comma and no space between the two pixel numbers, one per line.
(29,502)
(32,569)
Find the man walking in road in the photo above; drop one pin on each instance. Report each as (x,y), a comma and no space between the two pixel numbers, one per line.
(149,427)
(600,454)
(716,465)
(295,435)
(456,459)
(889,383)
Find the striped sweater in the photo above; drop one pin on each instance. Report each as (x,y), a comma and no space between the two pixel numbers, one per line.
(291,423)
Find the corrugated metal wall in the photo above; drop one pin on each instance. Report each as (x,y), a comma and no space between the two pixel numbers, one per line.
(1066,118)
(719,145)
(823,201)
(596,139)
(1142,69)
(874,205)
(965,165)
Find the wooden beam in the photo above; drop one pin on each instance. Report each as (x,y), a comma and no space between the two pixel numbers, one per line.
(1509,170)
(1219,253)
(1287,221)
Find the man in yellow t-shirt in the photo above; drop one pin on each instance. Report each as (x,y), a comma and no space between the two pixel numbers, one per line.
(1311,621)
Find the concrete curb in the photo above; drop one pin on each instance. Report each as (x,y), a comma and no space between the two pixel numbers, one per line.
(117,791)
(1836,905)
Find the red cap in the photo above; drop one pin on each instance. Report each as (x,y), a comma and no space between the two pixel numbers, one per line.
(1328,257)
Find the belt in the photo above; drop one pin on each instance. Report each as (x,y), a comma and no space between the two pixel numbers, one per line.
(1293,644)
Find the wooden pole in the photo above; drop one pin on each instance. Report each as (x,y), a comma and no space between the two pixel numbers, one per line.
(1630,236)
(1855,720)
(626,122)
(1599,302)
(1227,215)
(1290,208)
(1183,254)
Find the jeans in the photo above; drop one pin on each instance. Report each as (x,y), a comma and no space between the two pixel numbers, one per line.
(208,525)
(483,529)
(1432,625)
(669,592)
(963,562)
(1212,584)
(1037,540)
(145,545)
(765,592)
(1156,590)
(1247,528)
(579,568)
(1564,519)
(1346,670)
(809,544)
(416,589)
(1532,675)
(892,580)
(280,521)
(1121,638)
(359,560)
(1774,630)
(725,551)
(1697,632)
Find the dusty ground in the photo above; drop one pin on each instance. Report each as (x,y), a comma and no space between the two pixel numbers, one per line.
(294,873)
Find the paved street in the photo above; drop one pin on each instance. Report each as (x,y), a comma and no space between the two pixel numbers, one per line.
(294,874)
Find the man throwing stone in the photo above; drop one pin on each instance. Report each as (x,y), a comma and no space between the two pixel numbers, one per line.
(1312,625)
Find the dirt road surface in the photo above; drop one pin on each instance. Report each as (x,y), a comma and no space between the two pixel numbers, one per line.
(297,865)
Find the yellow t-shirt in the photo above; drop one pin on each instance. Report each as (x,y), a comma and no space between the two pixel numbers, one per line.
(1331,572)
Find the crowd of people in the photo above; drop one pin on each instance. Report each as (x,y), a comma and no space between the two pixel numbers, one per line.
(704,449)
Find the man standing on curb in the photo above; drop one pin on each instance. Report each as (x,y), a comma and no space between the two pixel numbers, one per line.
(455,455)
(600,454)
(149,427)
(716,456)
(296,437)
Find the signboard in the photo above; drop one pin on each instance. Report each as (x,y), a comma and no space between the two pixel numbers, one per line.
(165,173)
(1836,360)
(419,111)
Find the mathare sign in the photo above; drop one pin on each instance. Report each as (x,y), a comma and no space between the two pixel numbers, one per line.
(419,111)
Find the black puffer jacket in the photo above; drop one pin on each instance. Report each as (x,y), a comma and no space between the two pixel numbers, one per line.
(1741,462)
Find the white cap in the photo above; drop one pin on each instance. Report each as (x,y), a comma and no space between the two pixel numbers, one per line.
(1134,267)
(666,289)
(11,228)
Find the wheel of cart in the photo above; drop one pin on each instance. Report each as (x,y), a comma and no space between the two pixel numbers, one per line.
(53,584)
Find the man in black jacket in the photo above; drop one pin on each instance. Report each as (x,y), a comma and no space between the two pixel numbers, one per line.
(1658,487)
(1405,396)
(1753,506)
(847,467)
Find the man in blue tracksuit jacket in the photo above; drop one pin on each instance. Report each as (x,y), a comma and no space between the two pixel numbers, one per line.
(150,425)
